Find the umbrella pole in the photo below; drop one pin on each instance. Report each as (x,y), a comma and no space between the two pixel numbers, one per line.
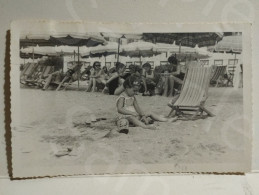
(180,47)
(33,56)
(105,61)
(118,54)
(140,60)
(63,63)
(234,63)
(78,67)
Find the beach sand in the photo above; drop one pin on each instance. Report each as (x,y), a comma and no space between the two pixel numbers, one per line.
(56,137)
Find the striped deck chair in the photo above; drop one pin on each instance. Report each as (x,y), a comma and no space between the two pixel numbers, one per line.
(27,70)
(218,72)
(27,74)
(47,70)
(194,94)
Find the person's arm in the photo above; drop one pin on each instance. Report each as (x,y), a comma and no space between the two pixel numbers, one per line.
(112,78)
(121,110)
(137,108)
(92,71)
(119,90)
(144,83)
(178,70)
(98,74)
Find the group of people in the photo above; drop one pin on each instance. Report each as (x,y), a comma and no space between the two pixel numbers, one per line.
(163,80)
(125,82)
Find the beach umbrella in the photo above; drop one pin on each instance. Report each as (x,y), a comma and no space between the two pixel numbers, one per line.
(119,37)
(78,39)
(110,36)
(102,51)
(51,51)
(139,49)
(56,39)
(68,39)
(184,39)
(229,44)
(191,53)
(30,55)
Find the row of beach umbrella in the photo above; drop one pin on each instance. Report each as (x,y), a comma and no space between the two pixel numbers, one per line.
(96,44)
(135,49)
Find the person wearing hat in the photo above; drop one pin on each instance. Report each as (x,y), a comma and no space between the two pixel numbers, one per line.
(128,107)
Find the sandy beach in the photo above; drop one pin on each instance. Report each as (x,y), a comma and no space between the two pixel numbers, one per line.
(59,123)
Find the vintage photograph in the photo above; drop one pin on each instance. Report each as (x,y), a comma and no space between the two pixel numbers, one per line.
(118,102)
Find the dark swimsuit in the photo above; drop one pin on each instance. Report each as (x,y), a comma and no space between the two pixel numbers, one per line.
(70,72)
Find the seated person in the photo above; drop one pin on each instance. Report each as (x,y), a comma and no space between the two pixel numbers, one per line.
(128,108)
(148,76)
(116,80)
(134,70)
(53,77)
(96,77)
(175,77)
(85,75)
(74,69)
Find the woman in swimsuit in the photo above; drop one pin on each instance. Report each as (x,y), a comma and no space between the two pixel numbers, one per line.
(96,77)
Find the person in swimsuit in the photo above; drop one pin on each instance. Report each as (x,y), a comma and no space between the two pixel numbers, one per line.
(68,77)
(128,107)
(116,80)
(96,77)
(148,76)
(53,77)
(176,76)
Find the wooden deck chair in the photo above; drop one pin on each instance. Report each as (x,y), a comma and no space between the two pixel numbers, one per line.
(47,70)
(27,74)
(27,70)
(194,94)
(218,73)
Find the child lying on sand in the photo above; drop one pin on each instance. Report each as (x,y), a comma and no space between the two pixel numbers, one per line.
(128,108)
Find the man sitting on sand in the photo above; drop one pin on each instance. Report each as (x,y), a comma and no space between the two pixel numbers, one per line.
(128,108)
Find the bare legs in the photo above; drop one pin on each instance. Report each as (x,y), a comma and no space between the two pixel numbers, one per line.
(171,87)
(60,84)
(135,121)
(93,84)
(157,117)
(165,86)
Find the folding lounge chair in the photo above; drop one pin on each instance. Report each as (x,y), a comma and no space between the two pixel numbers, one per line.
(218,73)
(193,94)
(27,70)
(27,73)
(48,70)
